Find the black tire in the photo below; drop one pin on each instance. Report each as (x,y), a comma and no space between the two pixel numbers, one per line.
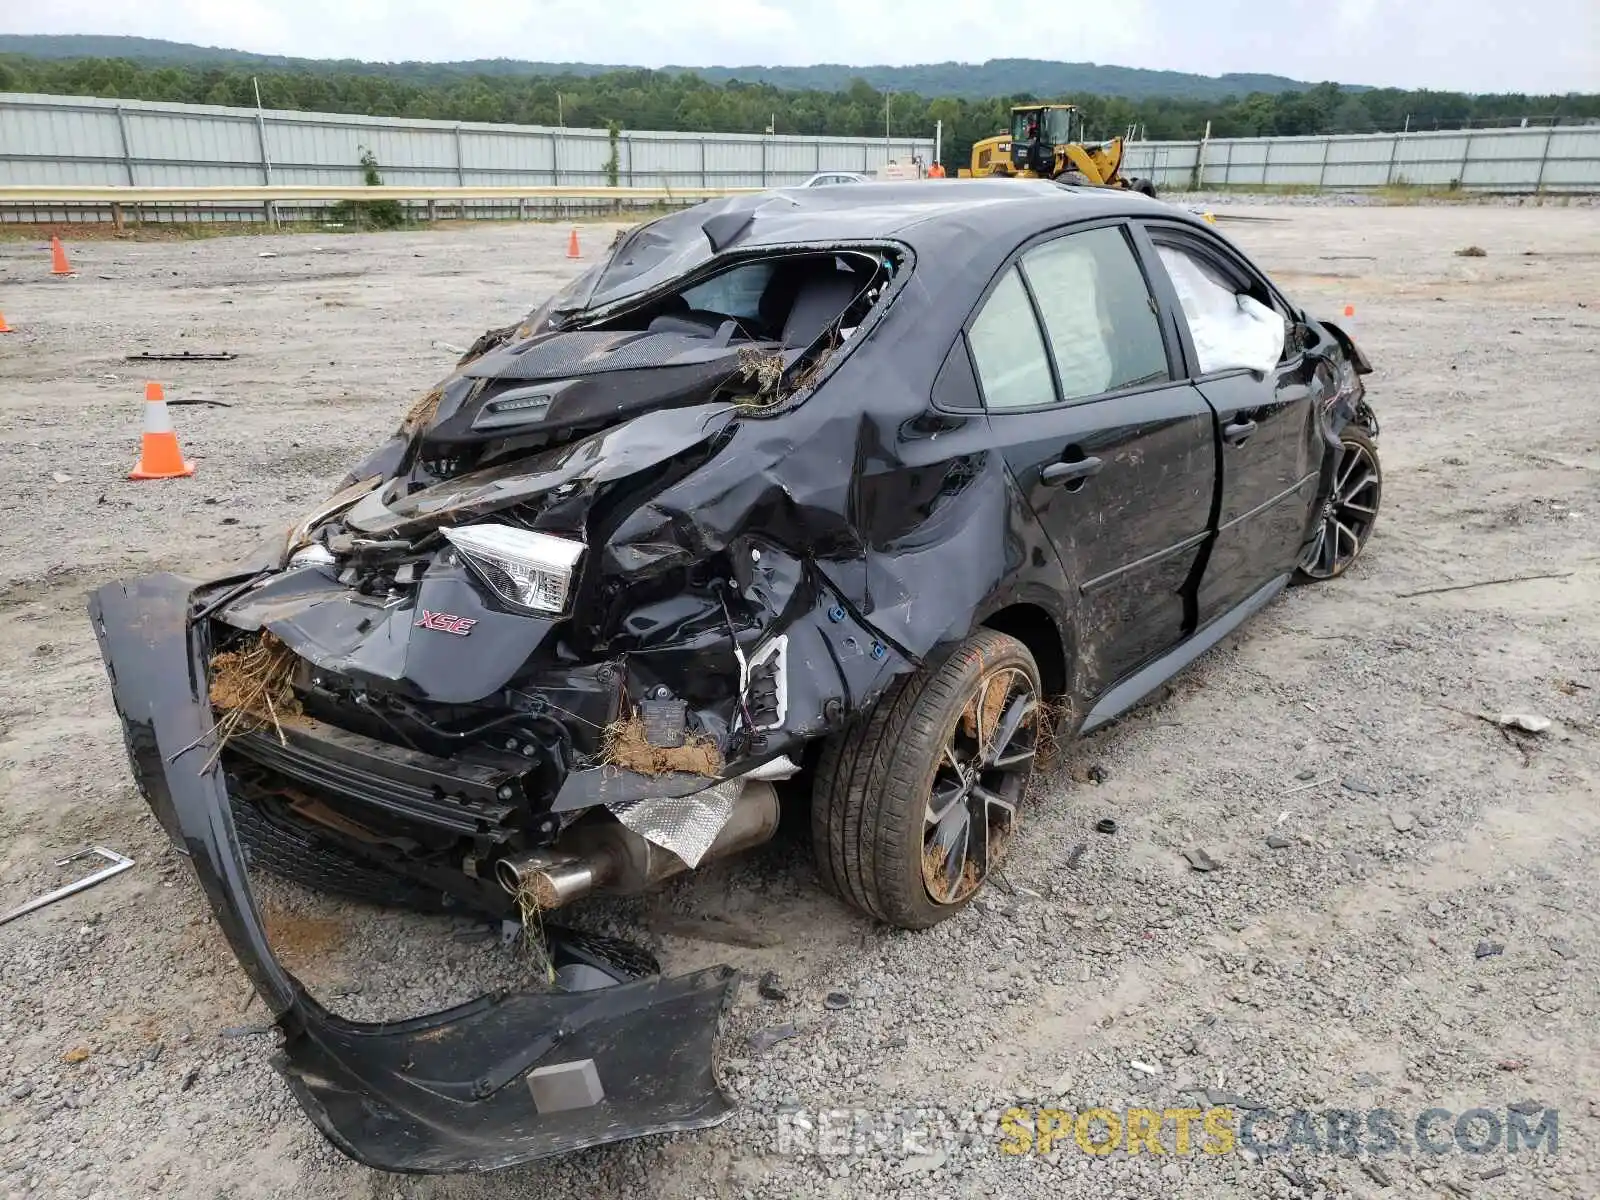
(872,809)
(1351,512)
(291,851)
(1144,187)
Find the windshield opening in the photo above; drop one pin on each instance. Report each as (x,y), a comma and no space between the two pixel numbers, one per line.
(791,298)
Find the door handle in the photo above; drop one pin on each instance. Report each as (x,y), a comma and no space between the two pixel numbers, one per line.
(1066,472)
(1237,431)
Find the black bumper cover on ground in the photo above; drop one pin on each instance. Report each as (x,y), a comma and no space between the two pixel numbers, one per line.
(446,1092)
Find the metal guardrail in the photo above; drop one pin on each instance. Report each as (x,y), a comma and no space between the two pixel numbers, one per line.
(298,202)
(120,194)
(52,147)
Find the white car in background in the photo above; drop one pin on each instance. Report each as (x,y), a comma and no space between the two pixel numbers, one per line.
(828,178)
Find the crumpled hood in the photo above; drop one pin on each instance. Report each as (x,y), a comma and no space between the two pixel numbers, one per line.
(377,640)
(335,628)
(637,445)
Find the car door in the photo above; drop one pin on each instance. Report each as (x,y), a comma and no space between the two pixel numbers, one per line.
(1246,356)
(1115,457)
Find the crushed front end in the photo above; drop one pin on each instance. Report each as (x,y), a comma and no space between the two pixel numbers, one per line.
(505,1078)
(561,634)
(543,642)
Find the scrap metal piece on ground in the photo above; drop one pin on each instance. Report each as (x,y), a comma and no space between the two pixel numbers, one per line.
(183,356)
(119,864)
(763,1040)
(1199,859)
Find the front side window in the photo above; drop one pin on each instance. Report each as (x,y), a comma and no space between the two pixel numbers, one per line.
(1008,350)
(1098,314)
(1229,327)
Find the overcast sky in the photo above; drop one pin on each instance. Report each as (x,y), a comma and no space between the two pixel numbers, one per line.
(1466,45)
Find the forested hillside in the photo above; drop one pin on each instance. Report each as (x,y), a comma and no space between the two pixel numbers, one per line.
(662,100)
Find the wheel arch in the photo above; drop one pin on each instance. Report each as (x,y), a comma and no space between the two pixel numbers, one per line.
(1038,630)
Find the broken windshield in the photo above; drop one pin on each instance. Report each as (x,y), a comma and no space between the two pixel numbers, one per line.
(645,256)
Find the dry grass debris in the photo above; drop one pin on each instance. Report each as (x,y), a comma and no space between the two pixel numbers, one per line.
(808,376)
(422,412)
(935,860)
(252,687)
(1047,720)
(532,899)
(625,745)
(991,696)
(765,370)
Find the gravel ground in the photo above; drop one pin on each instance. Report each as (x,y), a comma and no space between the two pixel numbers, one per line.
(1401,914)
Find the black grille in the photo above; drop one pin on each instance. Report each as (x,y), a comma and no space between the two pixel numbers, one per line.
(457,798)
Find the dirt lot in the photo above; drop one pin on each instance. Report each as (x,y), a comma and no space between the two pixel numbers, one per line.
(1419,933)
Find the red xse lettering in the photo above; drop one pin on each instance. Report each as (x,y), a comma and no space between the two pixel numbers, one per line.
(445,622)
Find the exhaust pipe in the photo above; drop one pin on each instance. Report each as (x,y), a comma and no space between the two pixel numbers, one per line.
(552,881)
(608,856)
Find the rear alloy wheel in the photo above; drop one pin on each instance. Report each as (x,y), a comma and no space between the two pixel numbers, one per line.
(914,807)
(1351,510)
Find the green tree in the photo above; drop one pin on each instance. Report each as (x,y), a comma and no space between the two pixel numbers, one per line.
(831,101)
(370,214)
(612,165)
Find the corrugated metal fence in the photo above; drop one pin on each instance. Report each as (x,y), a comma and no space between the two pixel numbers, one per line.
(56,140)
(1556,159)
(82,140)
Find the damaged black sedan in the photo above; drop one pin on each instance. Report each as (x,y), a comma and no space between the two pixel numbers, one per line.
(875,491)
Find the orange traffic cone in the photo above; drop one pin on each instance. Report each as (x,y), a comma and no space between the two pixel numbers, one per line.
(58,258)
(4,328)
(572,244)
(1350,319)
(159,457)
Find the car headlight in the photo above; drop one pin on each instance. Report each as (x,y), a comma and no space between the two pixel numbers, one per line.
(1347,377)
(314,555)
(524,568)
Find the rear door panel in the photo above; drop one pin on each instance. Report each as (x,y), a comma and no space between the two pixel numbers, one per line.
(1116,460)
(1129,534)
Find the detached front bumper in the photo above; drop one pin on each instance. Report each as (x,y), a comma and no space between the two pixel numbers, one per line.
(508,1077)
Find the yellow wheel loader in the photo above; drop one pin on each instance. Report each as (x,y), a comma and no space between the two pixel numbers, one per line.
(1046,142)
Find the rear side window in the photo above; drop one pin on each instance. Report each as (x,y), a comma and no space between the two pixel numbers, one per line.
(1008,351)
(1101,323)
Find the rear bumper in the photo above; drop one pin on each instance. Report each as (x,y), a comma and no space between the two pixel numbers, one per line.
(500,1080)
